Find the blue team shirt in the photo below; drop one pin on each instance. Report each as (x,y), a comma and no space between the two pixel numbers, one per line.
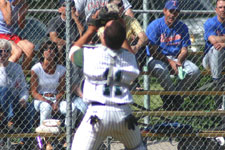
(170,40)
(212,27)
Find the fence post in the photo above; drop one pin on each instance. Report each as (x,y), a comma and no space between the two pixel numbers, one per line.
(68,79)
(223,106)
(145,68)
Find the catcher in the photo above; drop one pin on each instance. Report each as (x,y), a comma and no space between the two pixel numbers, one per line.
(108,71)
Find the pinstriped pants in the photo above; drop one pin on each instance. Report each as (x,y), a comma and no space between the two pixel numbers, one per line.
(112,123)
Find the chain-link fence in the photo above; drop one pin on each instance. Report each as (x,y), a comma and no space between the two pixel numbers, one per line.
(172,112)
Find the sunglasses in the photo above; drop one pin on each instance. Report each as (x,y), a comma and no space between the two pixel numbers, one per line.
(50,48)
(5,51)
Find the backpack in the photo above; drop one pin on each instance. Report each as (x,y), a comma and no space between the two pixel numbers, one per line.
(199,143)
(170,128)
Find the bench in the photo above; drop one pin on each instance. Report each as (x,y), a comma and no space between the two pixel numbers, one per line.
(31,135)
(179,113)
(48,138)
(161,92)
(205,72)
(198,134)
(62,135)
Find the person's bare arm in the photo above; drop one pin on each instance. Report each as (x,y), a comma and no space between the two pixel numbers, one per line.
(22,15)
(76,89)
(34,86)
(129,12)
(157,54)
(61,89)
(182,56)
(86,36)
(60,94)
(84,39)
(77,21)
(77,13)
(60,43)
(54,38)
(6,10)
(180,59)
(143,40)
(219,46)
(216,39)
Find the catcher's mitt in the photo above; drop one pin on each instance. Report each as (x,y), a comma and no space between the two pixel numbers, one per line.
(103,17)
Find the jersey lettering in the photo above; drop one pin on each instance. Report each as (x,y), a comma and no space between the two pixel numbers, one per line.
(97,5)
(170,39)
(174,3)
(106,90)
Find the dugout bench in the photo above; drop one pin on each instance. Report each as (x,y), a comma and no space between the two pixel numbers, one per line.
(202,134)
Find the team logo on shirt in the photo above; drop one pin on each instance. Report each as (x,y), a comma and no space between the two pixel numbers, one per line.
(174,3)
(171,40)
(96,5)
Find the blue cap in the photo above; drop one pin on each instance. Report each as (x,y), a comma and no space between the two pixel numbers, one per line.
(172,4)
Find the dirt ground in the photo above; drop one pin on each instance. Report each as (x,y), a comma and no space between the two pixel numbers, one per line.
(116,145)
(151,145)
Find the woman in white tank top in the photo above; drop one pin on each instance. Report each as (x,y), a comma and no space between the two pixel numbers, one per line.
(47,81)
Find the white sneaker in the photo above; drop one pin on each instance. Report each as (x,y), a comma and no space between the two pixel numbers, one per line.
(220,140)
(49,126)
(44,129)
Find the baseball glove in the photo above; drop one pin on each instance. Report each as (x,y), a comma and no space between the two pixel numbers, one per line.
(103,17)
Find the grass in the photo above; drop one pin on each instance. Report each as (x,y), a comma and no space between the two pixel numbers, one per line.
(206,103)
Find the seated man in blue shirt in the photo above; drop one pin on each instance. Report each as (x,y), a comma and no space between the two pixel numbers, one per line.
(214,53)
(169,41)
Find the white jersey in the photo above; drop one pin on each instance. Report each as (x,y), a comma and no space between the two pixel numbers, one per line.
(96,61)
(48,83)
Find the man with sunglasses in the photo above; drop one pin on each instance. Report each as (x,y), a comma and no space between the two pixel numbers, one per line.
(214,53)
(169,42)
(13,93)
(57,28)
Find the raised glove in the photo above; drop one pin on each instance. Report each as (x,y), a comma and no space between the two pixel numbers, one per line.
(103,17)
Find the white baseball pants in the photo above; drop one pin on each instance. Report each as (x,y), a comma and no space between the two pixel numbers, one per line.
(215,61)
(160,70)
(112,123)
